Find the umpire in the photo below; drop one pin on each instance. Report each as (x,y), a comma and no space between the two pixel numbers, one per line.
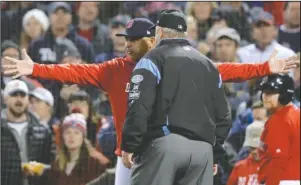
(177,111)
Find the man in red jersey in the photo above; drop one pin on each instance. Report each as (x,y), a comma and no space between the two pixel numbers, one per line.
(114,76)
(279,148)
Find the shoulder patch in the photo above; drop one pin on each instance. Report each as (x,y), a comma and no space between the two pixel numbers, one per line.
(137,78)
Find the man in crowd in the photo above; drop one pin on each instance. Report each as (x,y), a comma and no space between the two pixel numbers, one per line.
(41,103)
(171,102)
(279,148)
(41,50)
(113,76)
(23,138)
(117,25)
(89,26)
(226,44)
(289,32)
(264,32)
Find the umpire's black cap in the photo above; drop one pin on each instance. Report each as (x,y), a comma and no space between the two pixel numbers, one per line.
(139,27)
(173,19)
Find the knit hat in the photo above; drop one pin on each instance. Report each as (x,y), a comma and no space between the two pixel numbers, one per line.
(75,120)
(39,15)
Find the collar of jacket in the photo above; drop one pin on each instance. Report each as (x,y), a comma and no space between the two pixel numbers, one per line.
(31,119)
(174,41)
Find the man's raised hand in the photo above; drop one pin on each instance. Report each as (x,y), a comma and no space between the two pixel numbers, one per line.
(282,65)
(18,68)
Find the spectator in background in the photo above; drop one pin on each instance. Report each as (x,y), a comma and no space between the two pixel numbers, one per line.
(23,138)
(11,49)
(106,137)
(117,25)
(201,11)
(227,41)
(11,19)
(35,24)
(41,103)
(192,30)
(245,171)
(60,20)
(260,116)
(81,101)
(89,27)
(237,17)
(289,32)
(74,165)
(264,34)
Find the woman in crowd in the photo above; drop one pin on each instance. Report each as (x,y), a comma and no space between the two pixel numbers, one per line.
(74,164)
(35,24)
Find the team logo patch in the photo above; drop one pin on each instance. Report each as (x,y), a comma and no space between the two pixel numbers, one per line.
(137,78)
(130,24)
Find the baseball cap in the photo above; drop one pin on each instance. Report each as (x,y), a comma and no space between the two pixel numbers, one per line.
(75,120)
(173,19)
(15,86)
(139,27)
(228,32)
(262,16)
(120,20)
(43,94)
(64,48)
(56,5)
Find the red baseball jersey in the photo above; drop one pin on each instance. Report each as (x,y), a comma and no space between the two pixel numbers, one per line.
(244,172)
(114,77)
(280,147)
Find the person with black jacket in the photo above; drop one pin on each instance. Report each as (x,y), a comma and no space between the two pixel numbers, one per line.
(23,138)
(177,111)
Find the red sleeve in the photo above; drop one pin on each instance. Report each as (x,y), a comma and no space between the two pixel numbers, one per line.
(239,72)
(99,75)
(233,178)
(276,153)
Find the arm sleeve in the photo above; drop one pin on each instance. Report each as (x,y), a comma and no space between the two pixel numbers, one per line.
(144,80)
(238,72)
(278,142)
(98,75)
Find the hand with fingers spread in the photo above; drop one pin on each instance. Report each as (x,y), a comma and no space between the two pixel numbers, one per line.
(282,65)
(17,67)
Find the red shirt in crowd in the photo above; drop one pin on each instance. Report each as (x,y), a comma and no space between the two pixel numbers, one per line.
(114,76)
(244,172)
(280,147)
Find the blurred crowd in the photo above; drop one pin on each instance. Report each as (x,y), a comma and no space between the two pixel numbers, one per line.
(84,32)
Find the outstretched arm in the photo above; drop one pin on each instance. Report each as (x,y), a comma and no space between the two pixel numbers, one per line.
(98,75)
(238,72)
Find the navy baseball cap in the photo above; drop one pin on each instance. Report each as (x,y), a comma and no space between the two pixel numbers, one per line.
(173,19)
(56,5)
(139,27)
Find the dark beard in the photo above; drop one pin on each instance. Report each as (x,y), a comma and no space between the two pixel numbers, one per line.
(17,114)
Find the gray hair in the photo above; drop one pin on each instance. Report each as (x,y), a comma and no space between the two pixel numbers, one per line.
(171,33)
